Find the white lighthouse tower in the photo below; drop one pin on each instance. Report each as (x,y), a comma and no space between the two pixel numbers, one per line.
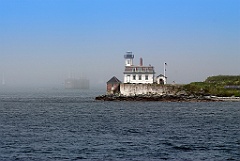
(129,58)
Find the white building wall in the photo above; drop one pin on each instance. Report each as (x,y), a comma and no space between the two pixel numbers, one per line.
(128,78)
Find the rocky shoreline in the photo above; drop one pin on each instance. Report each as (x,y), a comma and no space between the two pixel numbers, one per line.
(162,98)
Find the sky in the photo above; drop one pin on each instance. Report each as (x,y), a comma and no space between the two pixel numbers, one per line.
(43,42)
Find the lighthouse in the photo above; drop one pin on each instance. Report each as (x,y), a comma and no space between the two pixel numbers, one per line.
(129,58)
(137,73)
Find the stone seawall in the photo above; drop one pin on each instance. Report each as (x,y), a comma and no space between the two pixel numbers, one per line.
(147,89)
(156,92)
(167,98)
(162,98)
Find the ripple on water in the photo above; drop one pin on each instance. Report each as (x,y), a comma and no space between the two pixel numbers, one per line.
(77,127)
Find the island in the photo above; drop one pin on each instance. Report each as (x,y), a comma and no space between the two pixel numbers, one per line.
(214,88)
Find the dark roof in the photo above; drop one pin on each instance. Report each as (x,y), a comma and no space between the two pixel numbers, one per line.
(129,56)
(161,75)
(139,69)
(114,80)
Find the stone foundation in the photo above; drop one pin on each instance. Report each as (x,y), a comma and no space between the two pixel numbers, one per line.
(147,89)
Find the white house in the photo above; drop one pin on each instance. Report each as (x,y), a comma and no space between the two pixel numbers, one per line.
(137,73)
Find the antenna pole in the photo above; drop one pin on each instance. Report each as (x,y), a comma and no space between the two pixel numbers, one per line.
(165,70)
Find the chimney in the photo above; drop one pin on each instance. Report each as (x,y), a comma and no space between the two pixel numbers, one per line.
(141,62)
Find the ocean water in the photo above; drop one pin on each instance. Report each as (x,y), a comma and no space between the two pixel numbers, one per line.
(70,125)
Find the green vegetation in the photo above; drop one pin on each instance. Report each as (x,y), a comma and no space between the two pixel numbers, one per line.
(224,80)
(223,86)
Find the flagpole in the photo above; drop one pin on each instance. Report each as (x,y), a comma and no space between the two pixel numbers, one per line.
(165,69)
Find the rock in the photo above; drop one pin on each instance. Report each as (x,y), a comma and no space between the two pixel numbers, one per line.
(155,97)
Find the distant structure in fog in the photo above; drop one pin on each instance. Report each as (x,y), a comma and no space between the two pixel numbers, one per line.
(3,80)
(73,83)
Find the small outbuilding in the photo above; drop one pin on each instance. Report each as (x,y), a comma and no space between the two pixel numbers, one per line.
(161,79)
(113,85)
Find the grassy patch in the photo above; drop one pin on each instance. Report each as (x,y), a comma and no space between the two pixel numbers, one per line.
(215,86)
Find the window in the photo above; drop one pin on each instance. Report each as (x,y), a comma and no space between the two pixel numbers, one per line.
(140,77)
(146,77)
(134,77)
(128,78)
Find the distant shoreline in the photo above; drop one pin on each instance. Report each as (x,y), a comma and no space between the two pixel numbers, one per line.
(167,98)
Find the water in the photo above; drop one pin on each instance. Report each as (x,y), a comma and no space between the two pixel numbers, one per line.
(71,125)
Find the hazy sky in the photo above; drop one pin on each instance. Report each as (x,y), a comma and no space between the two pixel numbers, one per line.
(42,42)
